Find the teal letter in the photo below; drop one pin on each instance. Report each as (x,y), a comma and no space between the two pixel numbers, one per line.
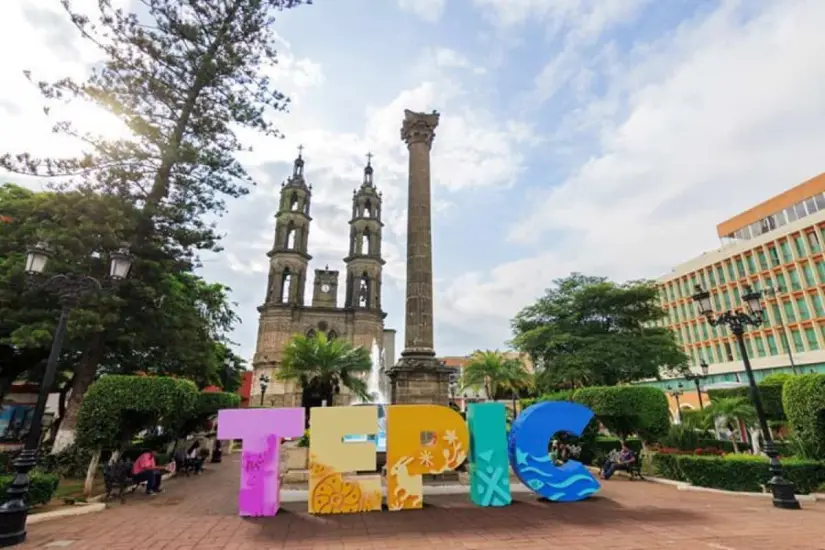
(489,467)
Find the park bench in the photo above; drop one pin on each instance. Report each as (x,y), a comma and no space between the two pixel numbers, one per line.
(183,464)
(118,476)
(635,468)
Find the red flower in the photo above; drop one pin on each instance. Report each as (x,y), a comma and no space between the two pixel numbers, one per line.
(6,219)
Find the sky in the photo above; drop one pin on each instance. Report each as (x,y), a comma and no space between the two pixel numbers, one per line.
(607,137)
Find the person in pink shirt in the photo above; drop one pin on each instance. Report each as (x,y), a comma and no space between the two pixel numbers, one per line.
(145,469)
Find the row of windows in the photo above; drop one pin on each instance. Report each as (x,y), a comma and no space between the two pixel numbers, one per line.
(753,262)
(741,377)
(783,217)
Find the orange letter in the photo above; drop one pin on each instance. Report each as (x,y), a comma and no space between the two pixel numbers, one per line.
(421,439)
(333,489)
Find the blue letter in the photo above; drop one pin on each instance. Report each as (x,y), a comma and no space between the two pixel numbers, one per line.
(530,436)
(489,470)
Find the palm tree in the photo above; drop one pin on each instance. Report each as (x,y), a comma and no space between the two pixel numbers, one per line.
(492,370)
(321,366)
(731,411)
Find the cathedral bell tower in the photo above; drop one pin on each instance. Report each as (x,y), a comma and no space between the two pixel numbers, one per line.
(364,262)
(289,257)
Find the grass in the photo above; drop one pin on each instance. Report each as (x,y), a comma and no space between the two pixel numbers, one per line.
(73,488)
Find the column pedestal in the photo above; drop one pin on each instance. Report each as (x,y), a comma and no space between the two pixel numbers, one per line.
(420,380)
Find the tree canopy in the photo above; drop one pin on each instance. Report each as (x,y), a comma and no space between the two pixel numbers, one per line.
(169,322)
(588,331)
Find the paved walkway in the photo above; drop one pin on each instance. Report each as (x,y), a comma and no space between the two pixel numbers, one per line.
(200,513)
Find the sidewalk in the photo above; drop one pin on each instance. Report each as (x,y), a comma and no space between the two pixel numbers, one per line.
(201,512)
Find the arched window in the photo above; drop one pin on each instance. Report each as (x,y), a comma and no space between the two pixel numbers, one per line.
(365,242)
(293,202)
(311,333)
(291,233)
(332,335)
(364,291)
(286,286)
(368,209)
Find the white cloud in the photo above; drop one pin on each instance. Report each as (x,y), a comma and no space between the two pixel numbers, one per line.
(428,10)
(715,118)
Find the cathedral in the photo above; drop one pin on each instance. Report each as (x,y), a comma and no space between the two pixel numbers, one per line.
(284,313)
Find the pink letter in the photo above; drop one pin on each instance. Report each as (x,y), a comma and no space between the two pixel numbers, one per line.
(261,431)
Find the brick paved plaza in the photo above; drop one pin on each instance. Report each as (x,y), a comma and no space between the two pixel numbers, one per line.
(200,512)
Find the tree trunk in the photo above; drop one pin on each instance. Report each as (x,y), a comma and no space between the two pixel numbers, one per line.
(88,486)
(61,409)
(733,438)
(84,375)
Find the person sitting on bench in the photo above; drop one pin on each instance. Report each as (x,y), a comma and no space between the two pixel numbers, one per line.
(145,470)
(622,462)
(194,459)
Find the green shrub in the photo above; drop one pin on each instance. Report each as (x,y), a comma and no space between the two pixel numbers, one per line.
(42,487)
(664,465)
(683,438)
(72,462)
(626,410)
(770,390)
(7,462)
(115,407)
(804,400)
(564,395)
(723,445)
(304,441)
(737,472)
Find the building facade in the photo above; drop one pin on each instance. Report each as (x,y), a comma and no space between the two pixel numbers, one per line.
(777,248)
(284,313)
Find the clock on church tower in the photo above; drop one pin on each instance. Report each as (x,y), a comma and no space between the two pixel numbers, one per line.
(325,291)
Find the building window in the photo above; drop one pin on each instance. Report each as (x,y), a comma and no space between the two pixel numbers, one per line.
(728,351)
(779,218)
(720,273)
(786,251)
(810,205)
(800,246)
(810,336)
(796,284)
(804,313)
(808,272)
(763,260)
(731,273)
(790,316)
(799,208)
(797,341)
(772,349)
(813,242)
(774,255)
(780,282)
(790,213)
(816,300)
(760,346)
(819,199)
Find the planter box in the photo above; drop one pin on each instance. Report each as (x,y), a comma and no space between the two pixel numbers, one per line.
(297,458)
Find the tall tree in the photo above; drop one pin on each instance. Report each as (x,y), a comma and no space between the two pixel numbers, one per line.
(184,76)
(166,322)
(495,372)
(588,331)
(321,366)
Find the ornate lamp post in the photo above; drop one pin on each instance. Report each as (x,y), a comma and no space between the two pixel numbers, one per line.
(676,394)
(783,495)
(70,289)
(264,382)
(697,379)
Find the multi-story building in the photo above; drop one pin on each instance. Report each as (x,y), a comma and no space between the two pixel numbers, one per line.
(777,248)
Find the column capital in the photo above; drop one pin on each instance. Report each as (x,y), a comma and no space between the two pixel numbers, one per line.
(419,127)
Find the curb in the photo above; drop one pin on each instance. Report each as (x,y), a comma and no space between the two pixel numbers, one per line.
(76,510)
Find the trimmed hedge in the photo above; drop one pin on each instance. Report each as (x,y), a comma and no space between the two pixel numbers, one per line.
(770,390)
(564,395)
(804,401)
(739,472)
(117,406)
(42,487)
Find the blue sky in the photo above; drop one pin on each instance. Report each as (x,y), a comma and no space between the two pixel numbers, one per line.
(607,137)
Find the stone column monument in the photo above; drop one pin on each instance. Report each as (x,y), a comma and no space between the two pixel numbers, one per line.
(418,377)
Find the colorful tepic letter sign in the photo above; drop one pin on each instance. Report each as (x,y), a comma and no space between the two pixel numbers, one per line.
(530,437)
(489,466)
(261,431)
(333,486)
(421,439)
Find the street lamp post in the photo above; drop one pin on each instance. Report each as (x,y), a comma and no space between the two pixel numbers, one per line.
(782,490)
(676,394)
(264,381)
(70,289)
(697,379)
